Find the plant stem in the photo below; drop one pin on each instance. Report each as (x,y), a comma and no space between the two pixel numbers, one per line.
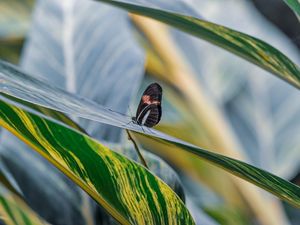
(137,149)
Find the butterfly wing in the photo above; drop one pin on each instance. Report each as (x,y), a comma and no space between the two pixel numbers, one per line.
(152,116)
(149,109)
(154,90)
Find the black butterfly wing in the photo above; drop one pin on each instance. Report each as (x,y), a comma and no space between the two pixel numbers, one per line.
(154,90)
(150,115)
(153,117)
(149,110)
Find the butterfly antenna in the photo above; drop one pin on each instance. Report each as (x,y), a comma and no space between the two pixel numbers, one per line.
(137,149)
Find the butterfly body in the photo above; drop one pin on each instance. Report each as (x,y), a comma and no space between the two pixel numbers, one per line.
(149,110)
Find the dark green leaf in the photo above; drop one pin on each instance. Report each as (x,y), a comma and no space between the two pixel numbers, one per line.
(243,45)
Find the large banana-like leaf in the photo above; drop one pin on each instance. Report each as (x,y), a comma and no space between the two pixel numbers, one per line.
(20,85)
(250,48)
(266,125)
(14,211)
(84,49)
(125,189)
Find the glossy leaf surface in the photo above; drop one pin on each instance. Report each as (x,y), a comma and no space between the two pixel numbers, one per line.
(125,189)
(73,45)
(20,85)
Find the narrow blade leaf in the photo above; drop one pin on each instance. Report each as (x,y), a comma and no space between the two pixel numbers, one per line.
(243,45)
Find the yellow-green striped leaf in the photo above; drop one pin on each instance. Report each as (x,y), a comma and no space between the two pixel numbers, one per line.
(243,45)
(14,82)
(128,191)
(274,184)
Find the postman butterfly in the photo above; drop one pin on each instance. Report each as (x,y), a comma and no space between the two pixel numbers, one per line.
(149,110)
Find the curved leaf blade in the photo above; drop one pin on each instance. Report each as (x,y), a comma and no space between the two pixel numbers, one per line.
(243,45)
(129,192)
(294,5)
(14,82)
(274,184)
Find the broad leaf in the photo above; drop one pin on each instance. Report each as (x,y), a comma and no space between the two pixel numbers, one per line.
(125,189)
(266,125)
(74,46)
(20,85)
(250,48)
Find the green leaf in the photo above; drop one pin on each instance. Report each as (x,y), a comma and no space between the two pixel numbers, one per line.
(14,210)
(274,184)
(20,85)
(129,192)
(294,5)
(243,45)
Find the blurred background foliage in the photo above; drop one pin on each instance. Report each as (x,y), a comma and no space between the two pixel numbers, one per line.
(243,111)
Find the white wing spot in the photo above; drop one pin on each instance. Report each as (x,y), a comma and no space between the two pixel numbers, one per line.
(146,117)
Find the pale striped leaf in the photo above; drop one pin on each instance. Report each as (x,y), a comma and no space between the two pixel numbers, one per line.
(20,85)
(89,49)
